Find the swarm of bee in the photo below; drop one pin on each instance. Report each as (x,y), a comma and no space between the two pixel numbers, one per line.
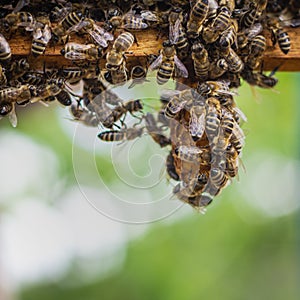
(213,43)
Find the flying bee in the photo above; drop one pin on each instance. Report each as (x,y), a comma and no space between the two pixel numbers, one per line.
(5,51)
(200,60)
(156,132)
(41,38)
(170,167)
(98,34)
(218,68)
(259,79)
(279,35)
(197,120)
(13,21)
(197,16)
(235,63)
(219,24)
(177,33)
(83,115)
(75,51)
(61,31)
(168,64)
(121,135)
(123,42)
(3,79)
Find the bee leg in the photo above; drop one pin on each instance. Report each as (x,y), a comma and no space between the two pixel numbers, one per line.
(273,38)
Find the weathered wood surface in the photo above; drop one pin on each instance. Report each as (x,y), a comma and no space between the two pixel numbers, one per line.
(149,43)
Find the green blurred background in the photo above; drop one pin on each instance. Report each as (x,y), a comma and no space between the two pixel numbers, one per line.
(245,247)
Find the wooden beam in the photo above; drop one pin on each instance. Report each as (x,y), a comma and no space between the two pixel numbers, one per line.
(149,43)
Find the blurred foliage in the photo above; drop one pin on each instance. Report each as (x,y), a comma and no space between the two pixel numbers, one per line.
(218,256)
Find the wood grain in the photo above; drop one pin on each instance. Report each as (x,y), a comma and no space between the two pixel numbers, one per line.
(149,43)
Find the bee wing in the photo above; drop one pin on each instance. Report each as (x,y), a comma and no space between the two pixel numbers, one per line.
(99,39)
(13,117)
(74,55)
(174,31)
(155,65)
(254,30)
(46,34)
(106,35)
(167,94)
(197,124)
(241,114)
(149,16)
(37,34)
(4,45)
(180,69)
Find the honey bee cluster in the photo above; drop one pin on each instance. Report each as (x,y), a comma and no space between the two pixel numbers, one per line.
(213,43)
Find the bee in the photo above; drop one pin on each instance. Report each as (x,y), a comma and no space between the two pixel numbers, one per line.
(121,110)
(178,102)
(219,24)
(41,38)
(63,28)
(32,78)
(83,115)
(228,124)
(156,132)
(177,33)
(13,21)
(218,177)
(188,153)
(218,68)
(98,34)
(279,35)
(129,21)
(64,98)
(170,167)
(123,42)
(72,75)
(119,75)
(46,92)
(3,79)
(17,69)
(231,161)
(256,50)
(121,135)
(253,13)
(197,120)
(59,12)
(230,4)
(200,60)
(75,51)
(213,119)
(214,88)
(235,63)
(138,75)
(197,16)
(11,96)
(5,51)
(229,36)
(114,59)
(259,79)
(168,64)
(237,138)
